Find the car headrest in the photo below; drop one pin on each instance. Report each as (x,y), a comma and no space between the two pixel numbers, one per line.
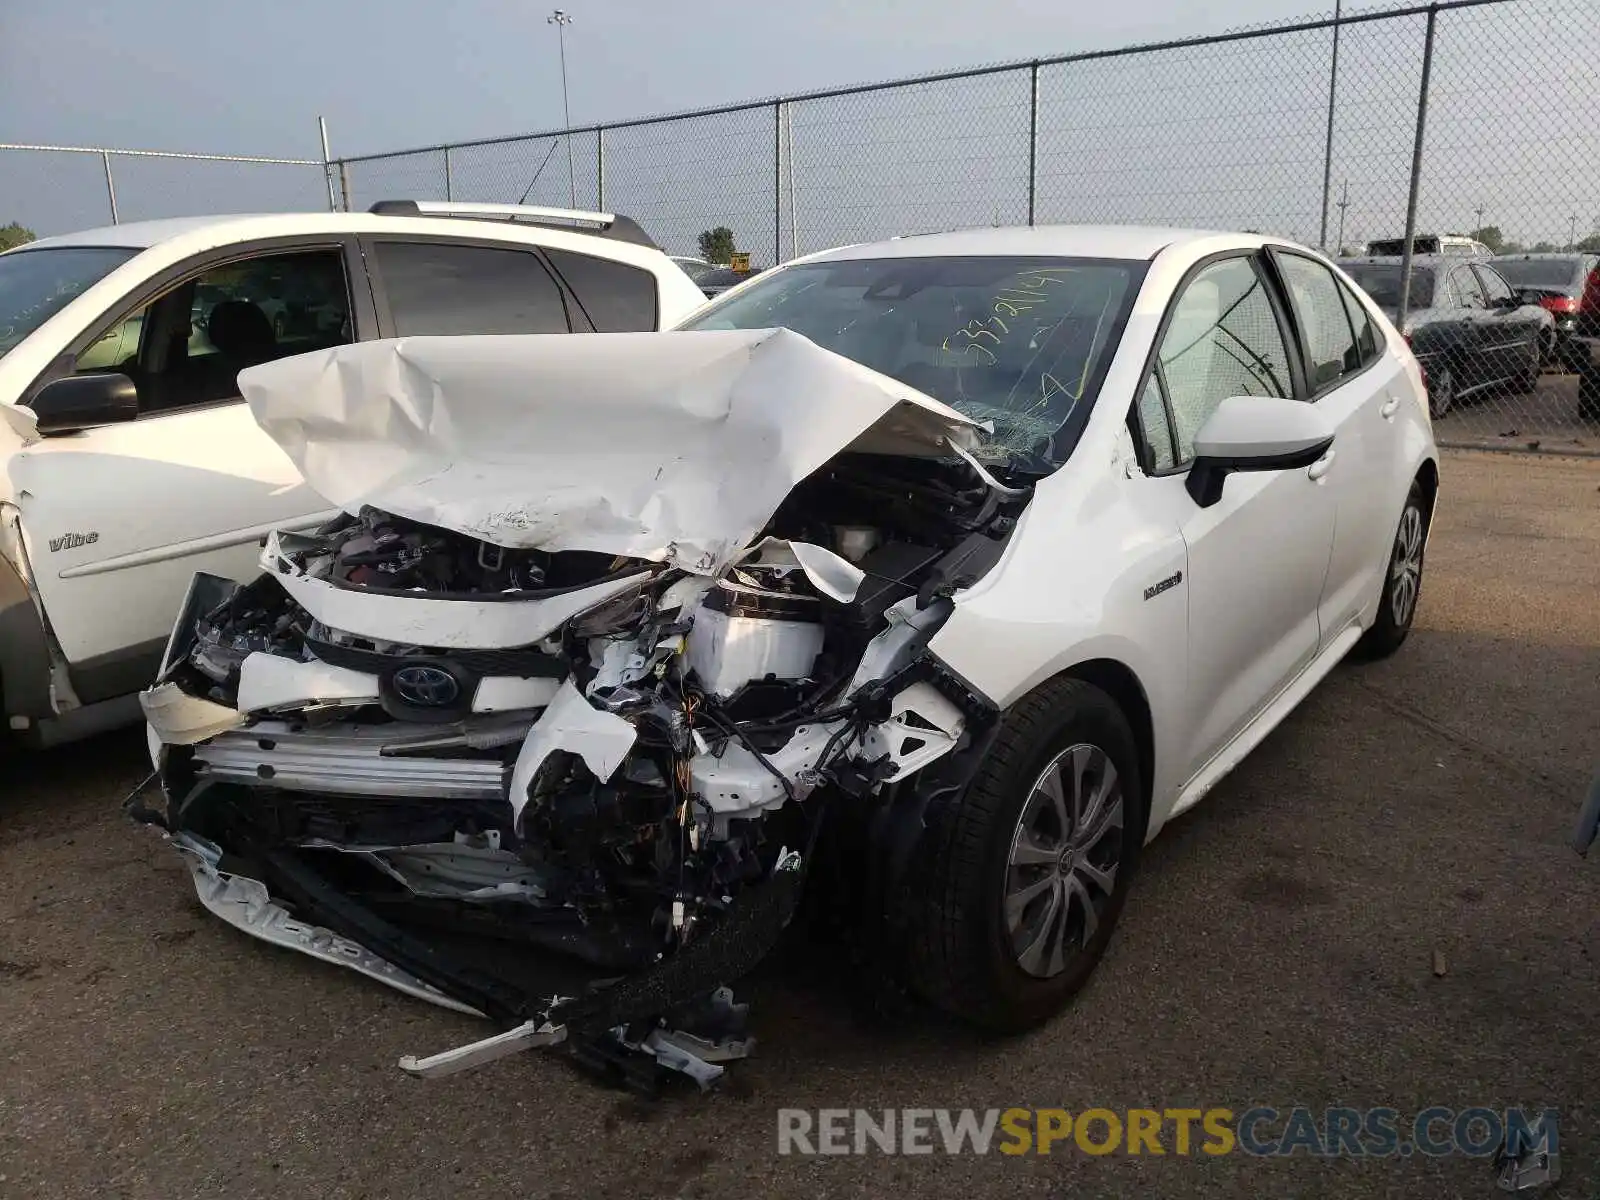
(241,330)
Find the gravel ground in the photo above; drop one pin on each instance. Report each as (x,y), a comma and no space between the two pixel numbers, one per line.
(1279,949)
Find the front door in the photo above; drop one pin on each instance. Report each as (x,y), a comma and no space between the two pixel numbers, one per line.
(119,518)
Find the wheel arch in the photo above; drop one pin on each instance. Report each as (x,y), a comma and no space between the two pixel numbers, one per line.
(1428,476)
(1119,681)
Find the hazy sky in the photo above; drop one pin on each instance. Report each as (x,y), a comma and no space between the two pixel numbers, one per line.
(251,76)
(1224,135)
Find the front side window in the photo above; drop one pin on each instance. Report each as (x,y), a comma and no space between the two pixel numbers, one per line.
(438,288)
(188,346)
(1019,342)
(1468,293)
(1330,344)
(1223,339)
(1495,288)
(1155,427)
(37,284)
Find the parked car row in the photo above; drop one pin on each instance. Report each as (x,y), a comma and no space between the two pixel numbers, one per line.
(120,351)
(1472,333)
(535,676)
(1479,321)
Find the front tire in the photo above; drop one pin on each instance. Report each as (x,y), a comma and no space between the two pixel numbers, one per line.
(1402,583)
(1528,380)
(1021,877)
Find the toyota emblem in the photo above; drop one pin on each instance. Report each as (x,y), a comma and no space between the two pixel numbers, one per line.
(426,687)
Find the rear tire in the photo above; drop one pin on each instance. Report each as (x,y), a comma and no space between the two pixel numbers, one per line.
(1441,391)
(1009,908)
(1402,581)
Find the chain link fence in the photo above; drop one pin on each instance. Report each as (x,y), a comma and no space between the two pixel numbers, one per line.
(58,189)
(1461,117)
(1458,117)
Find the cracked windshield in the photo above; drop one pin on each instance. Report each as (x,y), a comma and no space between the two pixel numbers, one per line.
(1020,343)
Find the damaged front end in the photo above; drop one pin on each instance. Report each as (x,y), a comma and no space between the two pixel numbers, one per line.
(572,790)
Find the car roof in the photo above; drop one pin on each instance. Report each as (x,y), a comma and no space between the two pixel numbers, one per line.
(1417,260)
(1573,255)
(240,227)
(1065,241)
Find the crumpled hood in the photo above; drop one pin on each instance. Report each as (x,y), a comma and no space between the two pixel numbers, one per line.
(17,425)
(674,447)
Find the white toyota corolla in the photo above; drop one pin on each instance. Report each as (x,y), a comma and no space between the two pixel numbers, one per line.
(982,555)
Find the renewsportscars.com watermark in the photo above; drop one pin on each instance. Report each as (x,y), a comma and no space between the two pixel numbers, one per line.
(1262,1131)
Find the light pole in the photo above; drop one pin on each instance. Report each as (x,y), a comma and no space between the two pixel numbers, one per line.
(1327,150)
(561,20)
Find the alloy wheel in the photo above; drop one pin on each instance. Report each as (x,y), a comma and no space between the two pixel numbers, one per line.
(1405,573)
(1064,858)
(1441,392)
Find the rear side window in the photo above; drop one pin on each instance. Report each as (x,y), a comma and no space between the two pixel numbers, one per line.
(1366,335)
(435,288)
(1330,343)
(617,298)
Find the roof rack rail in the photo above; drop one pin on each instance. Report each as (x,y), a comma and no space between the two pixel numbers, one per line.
(605,224)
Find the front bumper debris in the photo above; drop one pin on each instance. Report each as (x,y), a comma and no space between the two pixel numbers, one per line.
(533,729)
(601,1028)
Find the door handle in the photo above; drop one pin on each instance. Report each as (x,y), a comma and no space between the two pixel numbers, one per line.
(1389,408)
(1320,468)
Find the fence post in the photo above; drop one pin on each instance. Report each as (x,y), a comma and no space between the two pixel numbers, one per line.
(788,153)
(111,188)
(449,182)
(327,173)
(1033,140)
(1416,167)
(600,168)
(344,185)
(777,182)
(1327,149)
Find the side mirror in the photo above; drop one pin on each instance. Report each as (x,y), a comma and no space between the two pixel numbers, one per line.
(83,401)
(1255,433)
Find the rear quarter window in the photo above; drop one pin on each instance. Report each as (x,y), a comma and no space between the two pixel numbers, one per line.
(617,298)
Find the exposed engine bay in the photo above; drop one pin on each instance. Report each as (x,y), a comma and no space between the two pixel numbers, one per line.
(574,791)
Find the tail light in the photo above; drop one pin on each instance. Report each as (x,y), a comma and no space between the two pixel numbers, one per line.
(1591,292)
(1566,304)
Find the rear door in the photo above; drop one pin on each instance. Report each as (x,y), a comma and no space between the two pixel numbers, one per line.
(1361,391)
(118,519)
(431,286)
